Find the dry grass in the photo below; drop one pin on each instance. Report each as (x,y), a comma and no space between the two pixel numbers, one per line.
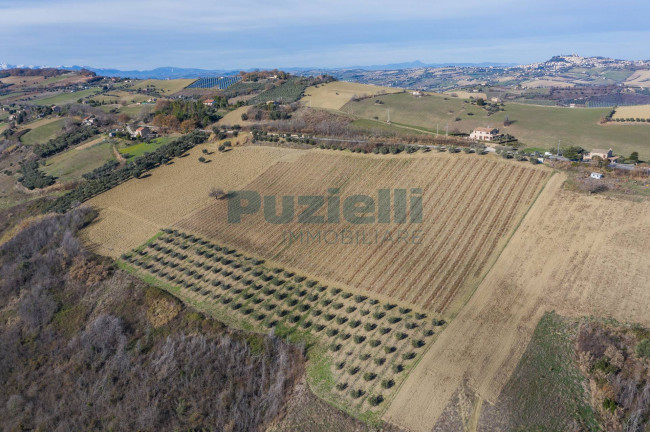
(577,254)
(336,94)
(635,111)
(639,78)
(137,209)
(471,204)
(165,87)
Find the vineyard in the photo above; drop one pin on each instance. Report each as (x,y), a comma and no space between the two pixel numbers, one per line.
(470,206)
(289,91)
(371,345)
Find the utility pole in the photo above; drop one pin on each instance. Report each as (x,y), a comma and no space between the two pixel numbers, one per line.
(558,148)
(437,129)
(388,118)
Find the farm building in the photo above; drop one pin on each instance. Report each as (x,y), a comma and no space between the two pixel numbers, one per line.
(484,134)
(603,154)
(208,102)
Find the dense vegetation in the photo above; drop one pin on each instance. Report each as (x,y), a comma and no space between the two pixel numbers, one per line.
(64,141)
(88,347)
(106,178)
(288,91)
(32,177)
(184,115)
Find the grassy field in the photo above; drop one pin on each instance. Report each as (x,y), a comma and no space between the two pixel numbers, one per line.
(546,390)
(43,133)
(116,97)
(144,147)
(66,98)
(534,126)
(165,87)
(71,164)
(336,94)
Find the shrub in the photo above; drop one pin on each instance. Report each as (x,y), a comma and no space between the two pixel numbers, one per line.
(326,302)
(335,347)
(389,306)
(364,312)
(394,319)
(332,332)
(356,394)
(329,317)
(344,336)
(341,320)
(378,315)
(374,343)
(418,343)
(364,356)
(384,330)
(379,361)
(337,305)
(355,323)
(359,298)
(397,368)
(369,376)
(350,309)
(389,349)
(375,400)
(358,339)
(341,386)
(353,370)
(410,325)
(387,383)
(643,348)
(404,310)
(335,291)
(369,326)
(408,356)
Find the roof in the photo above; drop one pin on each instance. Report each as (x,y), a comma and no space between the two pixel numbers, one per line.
(141,128)
(208,101)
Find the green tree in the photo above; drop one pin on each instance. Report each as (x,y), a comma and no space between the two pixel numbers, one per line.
(634,156)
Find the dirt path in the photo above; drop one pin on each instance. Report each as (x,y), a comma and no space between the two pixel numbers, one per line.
(577,254)
(121,159)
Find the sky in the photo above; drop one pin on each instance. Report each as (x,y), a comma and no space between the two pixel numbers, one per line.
(214,34)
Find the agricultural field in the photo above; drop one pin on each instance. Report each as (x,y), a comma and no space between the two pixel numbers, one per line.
(547,265)
(368,345)
(460,232)
(165,87)
(42,131)
(71,164)
(289,91)
(336,94)
(141,148)
(66,97)
(635,111)
(534,126)
(640,78)
(134,211)
(116,97)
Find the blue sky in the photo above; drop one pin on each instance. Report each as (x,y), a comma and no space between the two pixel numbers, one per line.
(144,34)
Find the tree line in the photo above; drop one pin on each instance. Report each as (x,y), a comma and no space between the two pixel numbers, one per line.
(68,139)
(109,176)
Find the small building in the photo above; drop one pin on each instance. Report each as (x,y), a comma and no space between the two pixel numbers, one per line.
(89,121)
(417,93)
(495,99)
(208,102)
(603,154)
(596,175)
(484,134)
(55,108)
(143,132)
